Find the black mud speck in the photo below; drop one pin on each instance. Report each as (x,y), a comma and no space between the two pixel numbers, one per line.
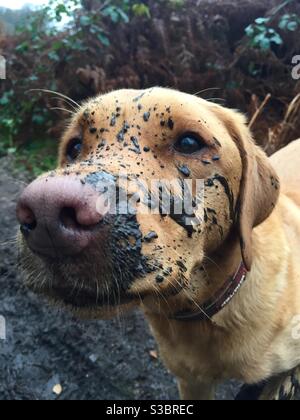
(209,182)
(206,161)
(102,144)
(146,116)
(223,181)
(211,211)
(168,271)
(184,170)
(137,151)
(181,265)
(150,236)
(135,142)
(159,279)
(205,216)
(99,177)
(137,98)
(126,126)
(113,120)
(275,183)
(216,141)
(86,114)
(170,124)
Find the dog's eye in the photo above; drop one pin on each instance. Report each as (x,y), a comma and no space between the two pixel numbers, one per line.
(188,144)
(74,149)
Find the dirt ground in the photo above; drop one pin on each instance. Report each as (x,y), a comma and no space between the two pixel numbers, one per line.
(45,347)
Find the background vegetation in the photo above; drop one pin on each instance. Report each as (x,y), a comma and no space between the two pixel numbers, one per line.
(236,52)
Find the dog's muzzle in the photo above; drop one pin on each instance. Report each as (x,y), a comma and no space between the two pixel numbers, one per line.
(59,216)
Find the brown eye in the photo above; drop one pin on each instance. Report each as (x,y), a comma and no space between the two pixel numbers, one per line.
(74,149)
(189,144)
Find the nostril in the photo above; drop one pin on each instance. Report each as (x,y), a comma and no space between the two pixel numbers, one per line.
(78,219)
(26,228)
(27,219)
(68,218)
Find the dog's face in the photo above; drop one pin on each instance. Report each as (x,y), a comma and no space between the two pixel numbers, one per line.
(83,251)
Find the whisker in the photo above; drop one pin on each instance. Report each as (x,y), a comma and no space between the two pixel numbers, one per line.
(206,90)
(199,307)
(216,100)
(56,93)
(183,289)
(160,296)
(97,290)
(11,241)
(62,109)
(65,101)
(118,284)
(212,261)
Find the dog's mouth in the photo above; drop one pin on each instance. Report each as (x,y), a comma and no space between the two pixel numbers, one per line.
(100,276)
(87,299)
(82,288)
(82,284)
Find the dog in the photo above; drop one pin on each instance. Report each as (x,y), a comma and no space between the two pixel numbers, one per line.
(219,284)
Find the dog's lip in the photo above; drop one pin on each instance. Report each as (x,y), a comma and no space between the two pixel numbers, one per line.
(87,298)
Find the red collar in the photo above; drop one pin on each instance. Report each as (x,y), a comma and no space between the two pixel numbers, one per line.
(220,299)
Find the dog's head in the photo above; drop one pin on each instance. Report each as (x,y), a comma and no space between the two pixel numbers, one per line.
(149,183)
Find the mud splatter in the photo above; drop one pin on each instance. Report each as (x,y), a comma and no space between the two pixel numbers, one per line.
(151,236)
(223,181)
(184,170)
(171,123)
(216,141)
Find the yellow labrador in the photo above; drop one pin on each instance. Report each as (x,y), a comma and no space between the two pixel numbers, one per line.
(219,282)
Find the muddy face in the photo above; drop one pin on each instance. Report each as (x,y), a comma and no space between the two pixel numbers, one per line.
(79,252)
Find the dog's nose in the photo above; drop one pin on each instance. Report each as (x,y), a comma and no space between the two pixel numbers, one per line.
(59,216)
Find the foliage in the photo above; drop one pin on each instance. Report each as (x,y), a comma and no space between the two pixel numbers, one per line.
(9,19)
(59,31)
(37,157)
(261,36)
(83,47)
(265,31)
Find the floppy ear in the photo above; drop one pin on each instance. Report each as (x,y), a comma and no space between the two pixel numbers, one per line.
(259,189)
(259,192)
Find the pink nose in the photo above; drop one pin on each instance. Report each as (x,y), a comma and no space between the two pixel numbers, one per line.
(58,216)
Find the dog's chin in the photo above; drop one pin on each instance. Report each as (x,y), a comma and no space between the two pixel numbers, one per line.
(70,285)
(85,299)
(87,305)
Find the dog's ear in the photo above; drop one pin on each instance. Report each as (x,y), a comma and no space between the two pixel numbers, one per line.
(259,192)
(259,189)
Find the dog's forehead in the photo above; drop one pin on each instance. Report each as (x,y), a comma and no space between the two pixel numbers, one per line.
(149,97)
(147,104)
